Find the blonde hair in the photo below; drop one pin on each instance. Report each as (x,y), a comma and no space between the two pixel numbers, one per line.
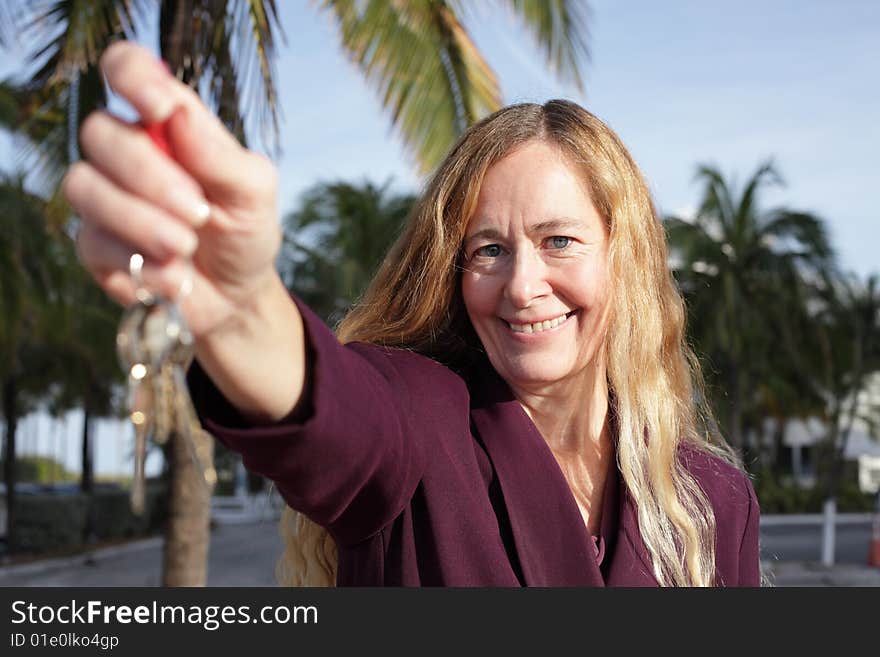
(414,302)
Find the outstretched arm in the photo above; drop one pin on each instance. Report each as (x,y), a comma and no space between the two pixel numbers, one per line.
(214,204)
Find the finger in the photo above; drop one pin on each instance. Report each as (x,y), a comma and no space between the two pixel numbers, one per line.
(125,154)
(165,281)
(135,74)
(107,259)
(199,140)
(145,227)
(229,174)
(99,251)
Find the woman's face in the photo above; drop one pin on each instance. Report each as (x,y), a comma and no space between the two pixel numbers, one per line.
(535,280)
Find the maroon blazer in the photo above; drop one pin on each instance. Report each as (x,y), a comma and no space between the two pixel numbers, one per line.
(425,479)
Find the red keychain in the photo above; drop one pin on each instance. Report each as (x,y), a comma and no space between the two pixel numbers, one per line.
(159,134)
(159,131)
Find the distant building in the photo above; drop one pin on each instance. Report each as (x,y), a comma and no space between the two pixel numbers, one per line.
(862,447)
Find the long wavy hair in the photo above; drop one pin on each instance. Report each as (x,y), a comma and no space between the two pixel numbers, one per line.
(655,383)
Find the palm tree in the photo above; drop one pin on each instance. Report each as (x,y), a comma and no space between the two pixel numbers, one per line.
(847,342)
(736,263)
(28,291)
(431,75)
(336,239)
(85,368)
(418,55)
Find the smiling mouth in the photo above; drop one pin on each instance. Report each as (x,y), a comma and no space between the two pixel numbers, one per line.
(538,327)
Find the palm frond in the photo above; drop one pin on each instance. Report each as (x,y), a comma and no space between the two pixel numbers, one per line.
(561,31)
(766,174)
(45,118)
(424,65)
(60,82)
(805,228)
(717,202)
(252,40)
(224,90)
(227,51)
(70,35)
(693,244)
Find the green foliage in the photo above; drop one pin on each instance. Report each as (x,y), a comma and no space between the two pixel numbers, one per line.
(29,277)
(225,48)
(50,522)
(41,470)
(225,464)
(335,240)
(777,496)
(783,335)
(741,269)
(57,328)
(112,517)
(53,523)
(431,75)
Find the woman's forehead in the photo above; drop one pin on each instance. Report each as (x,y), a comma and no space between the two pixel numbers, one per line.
(534,188)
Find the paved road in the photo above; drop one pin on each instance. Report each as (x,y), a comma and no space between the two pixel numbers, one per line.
(240,555)
(804,543)
(246,554)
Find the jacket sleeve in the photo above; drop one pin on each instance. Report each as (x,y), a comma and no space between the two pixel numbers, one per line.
(347,456)
(749,551)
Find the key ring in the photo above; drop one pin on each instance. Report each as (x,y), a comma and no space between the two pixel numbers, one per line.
(135,269)
(186,285)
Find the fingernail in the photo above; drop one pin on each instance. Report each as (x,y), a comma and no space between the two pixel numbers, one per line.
(154,104)
(193,209)
(176,238)
(203,213)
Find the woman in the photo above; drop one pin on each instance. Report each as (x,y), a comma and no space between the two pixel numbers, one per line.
(514,403)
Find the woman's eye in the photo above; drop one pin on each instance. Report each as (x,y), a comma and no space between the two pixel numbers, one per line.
(489,251)
(559,242)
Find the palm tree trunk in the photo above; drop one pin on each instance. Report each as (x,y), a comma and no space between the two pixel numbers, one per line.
(778,440)
(87,477)
(838,449)
(187,536)
(185,554)
(829,509)
(9,412)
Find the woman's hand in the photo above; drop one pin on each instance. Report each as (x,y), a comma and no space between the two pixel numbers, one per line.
(214,202)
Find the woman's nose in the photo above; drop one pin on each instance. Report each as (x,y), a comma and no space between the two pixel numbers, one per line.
(527,280)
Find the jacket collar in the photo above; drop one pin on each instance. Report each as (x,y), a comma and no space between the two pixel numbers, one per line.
(551,540)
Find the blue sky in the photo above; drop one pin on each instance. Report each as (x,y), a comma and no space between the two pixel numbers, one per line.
(730,84)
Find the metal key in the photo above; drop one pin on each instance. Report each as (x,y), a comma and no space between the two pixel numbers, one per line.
(173,395)
(143,345)
(156,347)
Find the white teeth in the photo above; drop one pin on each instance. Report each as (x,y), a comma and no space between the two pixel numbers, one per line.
(537,327)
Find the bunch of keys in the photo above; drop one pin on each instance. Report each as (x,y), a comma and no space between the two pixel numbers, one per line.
(155,347)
